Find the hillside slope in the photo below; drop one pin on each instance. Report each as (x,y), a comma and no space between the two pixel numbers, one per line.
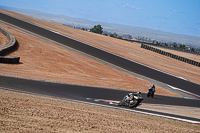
(126,49)
(42,60)
(46,61)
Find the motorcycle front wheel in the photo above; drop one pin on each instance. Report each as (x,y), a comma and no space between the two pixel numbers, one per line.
(133,104)
(120,103)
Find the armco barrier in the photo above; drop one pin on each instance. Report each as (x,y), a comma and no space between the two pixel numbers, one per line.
(198,64)
(192,62)
(10,47)
(187,60)
(152,44)
(10,60)
(119,61)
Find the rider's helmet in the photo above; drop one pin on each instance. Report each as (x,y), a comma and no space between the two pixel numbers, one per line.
(151,87)
(129,94)
(137,93)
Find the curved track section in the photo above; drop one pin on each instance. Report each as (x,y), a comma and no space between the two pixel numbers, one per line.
(84,93)
(77,92)
(10,47)
(81,93)
(106,56)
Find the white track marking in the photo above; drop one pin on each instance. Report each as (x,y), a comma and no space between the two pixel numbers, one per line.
(142,112)
(55,32)
(97,47)
(165,116)
(182,78)
(190,121)
(187,92)
(77,101)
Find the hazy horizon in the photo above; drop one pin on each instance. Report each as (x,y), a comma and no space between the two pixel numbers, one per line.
(179,17)
(135,31)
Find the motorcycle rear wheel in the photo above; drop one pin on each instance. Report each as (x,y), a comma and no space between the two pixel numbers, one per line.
(152,95)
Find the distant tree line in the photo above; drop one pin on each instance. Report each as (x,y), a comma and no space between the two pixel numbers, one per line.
(99,30)
(173,45)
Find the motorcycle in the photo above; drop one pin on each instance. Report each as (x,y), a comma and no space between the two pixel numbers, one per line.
(150,93)
(134,101)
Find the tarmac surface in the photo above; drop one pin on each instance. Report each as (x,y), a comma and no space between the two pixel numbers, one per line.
(107,56)
(81,93)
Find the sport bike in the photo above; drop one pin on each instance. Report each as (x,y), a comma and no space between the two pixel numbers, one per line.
(133,102)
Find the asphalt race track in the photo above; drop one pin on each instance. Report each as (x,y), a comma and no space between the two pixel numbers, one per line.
(106,56)
(81,93)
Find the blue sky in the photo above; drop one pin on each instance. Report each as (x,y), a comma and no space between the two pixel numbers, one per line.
(176,16)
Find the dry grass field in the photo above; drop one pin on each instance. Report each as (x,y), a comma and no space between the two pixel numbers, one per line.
(123,48)
(45,61)
(3,40)
(25,113)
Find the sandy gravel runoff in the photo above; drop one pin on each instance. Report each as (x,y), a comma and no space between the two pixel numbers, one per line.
(45,61)
(25,113)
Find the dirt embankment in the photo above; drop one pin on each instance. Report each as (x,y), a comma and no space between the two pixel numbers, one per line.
(45,61)
(25,113)
(3,40)
(126,49)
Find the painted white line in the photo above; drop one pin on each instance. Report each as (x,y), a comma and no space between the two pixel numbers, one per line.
(95,47)
(186,92)
(147,113)
(182,78)
(170,117)
(114,54)
(55,32)
(137,63)
(142,112)
(96,104)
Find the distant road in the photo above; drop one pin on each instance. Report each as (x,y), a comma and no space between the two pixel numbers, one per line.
(106,56)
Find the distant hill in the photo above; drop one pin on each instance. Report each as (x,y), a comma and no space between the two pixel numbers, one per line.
(112,27)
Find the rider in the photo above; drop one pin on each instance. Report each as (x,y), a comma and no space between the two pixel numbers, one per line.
(152,89)
(129,97)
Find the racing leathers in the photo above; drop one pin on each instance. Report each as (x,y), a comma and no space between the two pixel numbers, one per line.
(152,89)
(128,97)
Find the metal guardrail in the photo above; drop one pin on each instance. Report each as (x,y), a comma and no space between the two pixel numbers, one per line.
(153,44)
(10,47)
(192,62)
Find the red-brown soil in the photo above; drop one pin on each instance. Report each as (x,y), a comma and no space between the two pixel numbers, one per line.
(45,61)
(126,49)
(3,40)
(25,113)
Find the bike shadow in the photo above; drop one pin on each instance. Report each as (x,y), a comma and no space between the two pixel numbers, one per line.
(156,98)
